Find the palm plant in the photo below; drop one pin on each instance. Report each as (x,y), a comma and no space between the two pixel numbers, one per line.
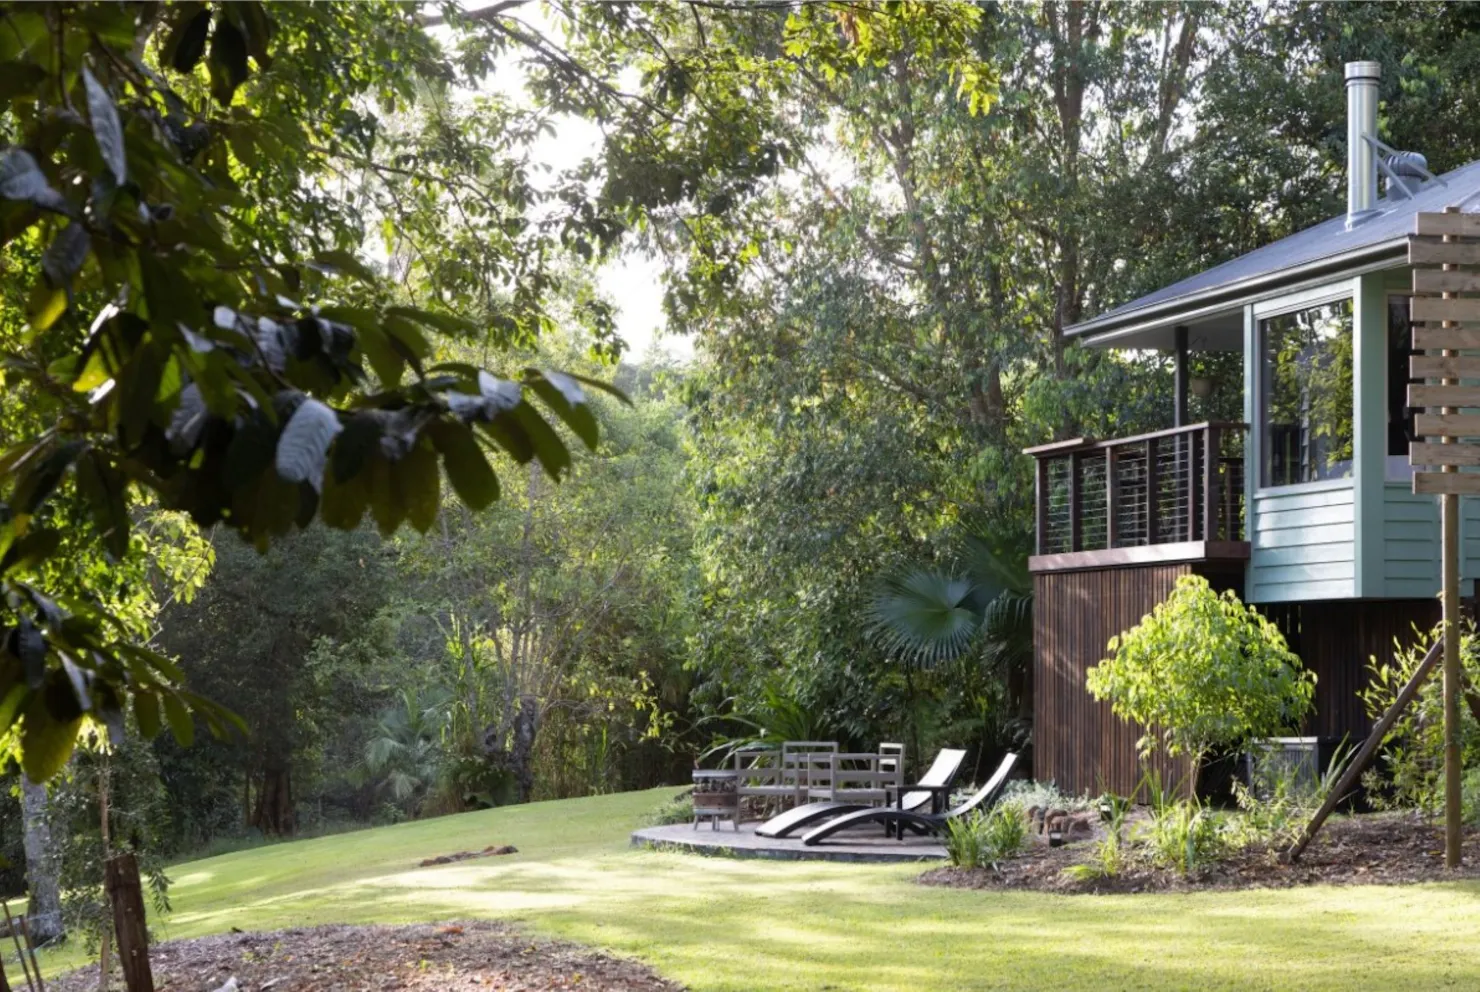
(976,617)
(778,716)
(931,617)
(403,754)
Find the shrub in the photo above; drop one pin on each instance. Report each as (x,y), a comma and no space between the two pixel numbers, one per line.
(1470,797)
(1412,773)
(1045,795)
(984,840)
(679,809)
(1185,836)
(1277,804)
(1203,671)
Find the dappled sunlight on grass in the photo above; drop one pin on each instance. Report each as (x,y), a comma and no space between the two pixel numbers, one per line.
(723,925)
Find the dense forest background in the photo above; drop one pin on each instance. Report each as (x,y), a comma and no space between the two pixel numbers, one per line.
(874,231)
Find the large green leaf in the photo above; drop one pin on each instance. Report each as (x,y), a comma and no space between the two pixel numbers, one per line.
(927,617)
(472,478)
(46,741)
(303,448)
(107,129)
(186,42)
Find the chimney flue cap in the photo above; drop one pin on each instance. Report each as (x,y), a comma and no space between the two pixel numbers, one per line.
(1360,71)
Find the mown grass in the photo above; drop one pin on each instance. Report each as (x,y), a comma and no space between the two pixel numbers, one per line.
(738,926)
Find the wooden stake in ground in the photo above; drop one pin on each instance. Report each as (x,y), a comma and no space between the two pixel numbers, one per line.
(31,949)
(15,936)
(126,896)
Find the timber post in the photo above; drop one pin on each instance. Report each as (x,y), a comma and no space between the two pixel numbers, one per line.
(1438,313)
(1449,568)
(126,896)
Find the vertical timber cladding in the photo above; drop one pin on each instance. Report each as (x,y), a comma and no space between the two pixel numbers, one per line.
(1077,742)
(1337,641)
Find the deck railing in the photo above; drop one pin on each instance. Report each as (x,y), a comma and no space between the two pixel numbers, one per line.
(1183,484)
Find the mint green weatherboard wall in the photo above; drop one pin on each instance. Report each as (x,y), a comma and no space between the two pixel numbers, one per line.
(1302,538)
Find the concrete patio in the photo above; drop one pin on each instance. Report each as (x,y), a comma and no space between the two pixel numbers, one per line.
(866,844)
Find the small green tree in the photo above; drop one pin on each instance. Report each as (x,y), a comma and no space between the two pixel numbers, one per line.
(1203,671)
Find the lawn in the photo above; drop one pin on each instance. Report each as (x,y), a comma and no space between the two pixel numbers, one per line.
(739,926)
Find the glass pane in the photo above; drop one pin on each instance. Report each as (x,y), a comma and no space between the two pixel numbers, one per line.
(1306,409)
(1399,413)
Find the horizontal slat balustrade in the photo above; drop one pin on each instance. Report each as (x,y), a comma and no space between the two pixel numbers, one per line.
(1168,487)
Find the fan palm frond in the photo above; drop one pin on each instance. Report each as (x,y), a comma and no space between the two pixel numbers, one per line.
(927,616)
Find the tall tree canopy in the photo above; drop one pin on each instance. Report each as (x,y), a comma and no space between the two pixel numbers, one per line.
(187,189)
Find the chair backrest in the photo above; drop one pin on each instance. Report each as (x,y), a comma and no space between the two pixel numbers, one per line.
(988,792)
(758,765)
(797,759)
(942,771)
(803,747)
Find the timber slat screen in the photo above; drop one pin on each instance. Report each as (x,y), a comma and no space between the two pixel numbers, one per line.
(1183,484)
(1078,743)
(1446,334)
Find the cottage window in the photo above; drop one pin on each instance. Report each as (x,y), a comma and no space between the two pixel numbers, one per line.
(1305,414)
(1399,413)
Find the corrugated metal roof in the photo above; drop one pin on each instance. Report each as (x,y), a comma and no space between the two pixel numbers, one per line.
(1326,242)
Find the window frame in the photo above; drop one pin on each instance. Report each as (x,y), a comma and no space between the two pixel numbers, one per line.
(1279,307)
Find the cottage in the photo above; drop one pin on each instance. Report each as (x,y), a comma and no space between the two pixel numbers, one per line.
(1305,509)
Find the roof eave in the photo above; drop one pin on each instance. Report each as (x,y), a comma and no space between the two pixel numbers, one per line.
(1099,330)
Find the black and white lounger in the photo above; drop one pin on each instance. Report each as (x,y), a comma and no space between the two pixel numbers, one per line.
(926,823)
(941,774)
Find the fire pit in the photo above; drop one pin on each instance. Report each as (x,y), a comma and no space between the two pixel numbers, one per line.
(715,797)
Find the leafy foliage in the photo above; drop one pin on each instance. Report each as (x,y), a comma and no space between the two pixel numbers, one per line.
(986,839)
(1184,835)
(1412,766)
(679,809)
(1203,671)
(1277,804)
(930,617)
(182,352)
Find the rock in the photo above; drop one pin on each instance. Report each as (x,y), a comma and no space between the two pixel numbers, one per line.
(230,985)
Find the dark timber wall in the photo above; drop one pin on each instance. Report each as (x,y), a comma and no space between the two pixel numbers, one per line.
(1078,743)
(1337,640)
(1083,747)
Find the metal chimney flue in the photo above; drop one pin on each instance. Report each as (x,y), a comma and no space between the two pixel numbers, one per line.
(1361,154)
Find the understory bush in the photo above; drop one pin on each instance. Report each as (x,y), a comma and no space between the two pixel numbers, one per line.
(1045,795)
(1470,797)
(1110,855)
(1185,836)
(1173,672)
(1278,803)
(984,840)
(1411,774)
(679,809)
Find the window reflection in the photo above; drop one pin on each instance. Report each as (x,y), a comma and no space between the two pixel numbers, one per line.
(1307,403)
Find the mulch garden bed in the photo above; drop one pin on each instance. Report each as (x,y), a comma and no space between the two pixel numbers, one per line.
(1372,849)
(451,957)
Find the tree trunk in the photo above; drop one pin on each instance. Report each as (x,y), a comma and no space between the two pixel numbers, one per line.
(521,757)
(274,813)
(126,896)
(45,912)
